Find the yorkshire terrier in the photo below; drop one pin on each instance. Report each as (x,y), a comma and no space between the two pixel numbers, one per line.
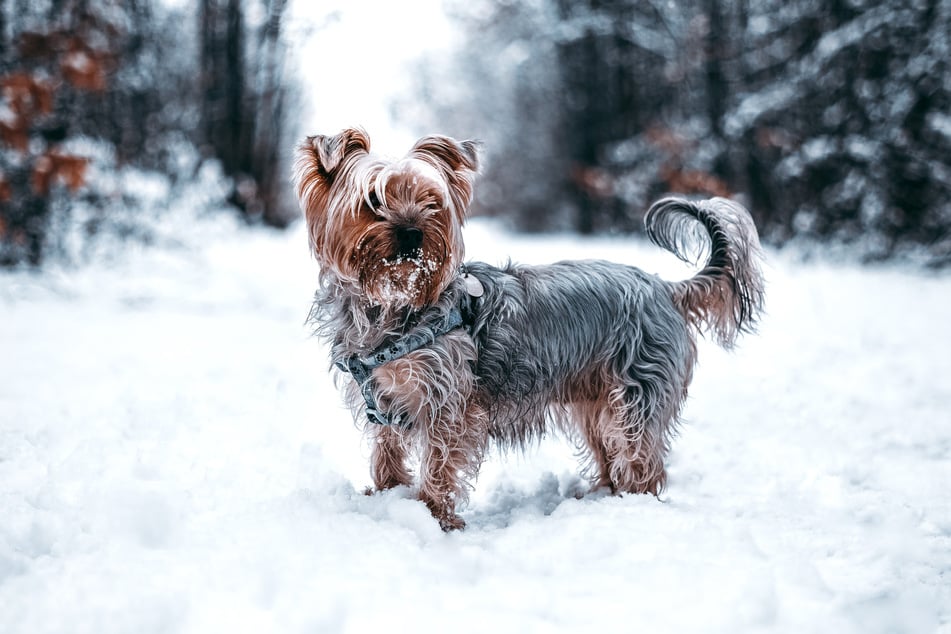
(444,356)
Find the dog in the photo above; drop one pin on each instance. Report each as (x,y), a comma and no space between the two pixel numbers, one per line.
(442,357)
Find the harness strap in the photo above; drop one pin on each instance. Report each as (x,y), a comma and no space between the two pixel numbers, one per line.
(361,367)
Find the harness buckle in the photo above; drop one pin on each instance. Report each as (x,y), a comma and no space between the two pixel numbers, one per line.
(377,417)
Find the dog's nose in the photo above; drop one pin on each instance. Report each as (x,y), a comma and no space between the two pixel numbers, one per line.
(408,239)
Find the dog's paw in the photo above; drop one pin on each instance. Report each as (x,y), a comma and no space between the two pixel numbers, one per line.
(451,523)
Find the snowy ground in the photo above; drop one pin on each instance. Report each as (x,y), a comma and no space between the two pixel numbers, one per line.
(174,458)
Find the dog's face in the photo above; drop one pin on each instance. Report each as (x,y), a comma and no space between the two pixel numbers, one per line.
(393,228)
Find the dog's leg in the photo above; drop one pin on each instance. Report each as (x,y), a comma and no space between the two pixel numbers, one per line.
(588,415)
(452,453)
(639,467)
(388,459)
(634,444)
(449,427)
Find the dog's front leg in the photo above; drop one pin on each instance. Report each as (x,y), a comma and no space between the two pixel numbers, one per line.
(388,459)
(433,391)
(453,449)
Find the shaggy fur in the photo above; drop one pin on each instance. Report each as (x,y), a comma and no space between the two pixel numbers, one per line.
(602,351)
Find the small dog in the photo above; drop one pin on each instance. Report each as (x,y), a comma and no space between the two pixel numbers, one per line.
(446,356)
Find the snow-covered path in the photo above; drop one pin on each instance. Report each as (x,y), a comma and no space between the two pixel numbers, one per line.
(174,458)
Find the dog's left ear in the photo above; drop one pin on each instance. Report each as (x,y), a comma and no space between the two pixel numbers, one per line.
(458,161)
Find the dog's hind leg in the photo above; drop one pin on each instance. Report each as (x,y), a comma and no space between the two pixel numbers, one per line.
(630,442)
(647,391)
(638,464)
(588,415)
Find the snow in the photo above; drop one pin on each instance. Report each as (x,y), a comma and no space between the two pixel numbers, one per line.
(404,276)
(175,458)
(940,123)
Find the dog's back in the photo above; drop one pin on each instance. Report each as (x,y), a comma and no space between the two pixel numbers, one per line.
(557,334)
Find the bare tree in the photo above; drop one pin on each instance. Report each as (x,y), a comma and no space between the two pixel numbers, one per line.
(242,111)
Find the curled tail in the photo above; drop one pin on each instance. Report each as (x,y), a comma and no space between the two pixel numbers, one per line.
(726,296)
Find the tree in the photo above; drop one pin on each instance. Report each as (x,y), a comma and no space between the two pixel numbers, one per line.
(830,120)
(243,109)
(43,72)
(120,75)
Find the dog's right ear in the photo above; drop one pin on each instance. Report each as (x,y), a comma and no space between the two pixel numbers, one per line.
(319,160)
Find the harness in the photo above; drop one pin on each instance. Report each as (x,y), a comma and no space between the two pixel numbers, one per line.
(430,327)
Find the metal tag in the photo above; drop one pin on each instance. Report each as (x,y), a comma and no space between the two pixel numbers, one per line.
(473,285)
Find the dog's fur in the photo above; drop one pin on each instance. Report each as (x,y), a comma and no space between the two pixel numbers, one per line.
(602,351)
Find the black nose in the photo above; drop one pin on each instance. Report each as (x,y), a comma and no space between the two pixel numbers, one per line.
(408,240)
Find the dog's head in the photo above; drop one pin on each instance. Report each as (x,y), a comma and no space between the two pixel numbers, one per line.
(391,227)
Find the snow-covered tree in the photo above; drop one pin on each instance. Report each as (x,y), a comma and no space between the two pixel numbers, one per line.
(830,119)
(114,84)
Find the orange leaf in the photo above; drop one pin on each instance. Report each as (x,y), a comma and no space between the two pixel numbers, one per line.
(42,175)
(27,95)
(16,136)
(65,169)
(693,182)
(70,170)
(83,71)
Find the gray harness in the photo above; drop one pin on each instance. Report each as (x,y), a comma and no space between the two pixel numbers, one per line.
(423,334)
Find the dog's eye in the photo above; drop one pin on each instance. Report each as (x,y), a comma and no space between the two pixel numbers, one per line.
(431,205)
(374,200)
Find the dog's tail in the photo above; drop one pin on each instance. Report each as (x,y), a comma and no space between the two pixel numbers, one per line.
(726,296)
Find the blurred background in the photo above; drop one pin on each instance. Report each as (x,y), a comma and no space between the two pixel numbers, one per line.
(830,120)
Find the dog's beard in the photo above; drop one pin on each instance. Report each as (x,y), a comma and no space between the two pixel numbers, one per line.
(395,275)
(403,281)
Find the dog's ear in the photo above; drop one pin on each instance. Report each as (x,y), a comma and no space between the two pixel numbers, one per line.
(458,161)
(451,154)
(319,160)
(325,154)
